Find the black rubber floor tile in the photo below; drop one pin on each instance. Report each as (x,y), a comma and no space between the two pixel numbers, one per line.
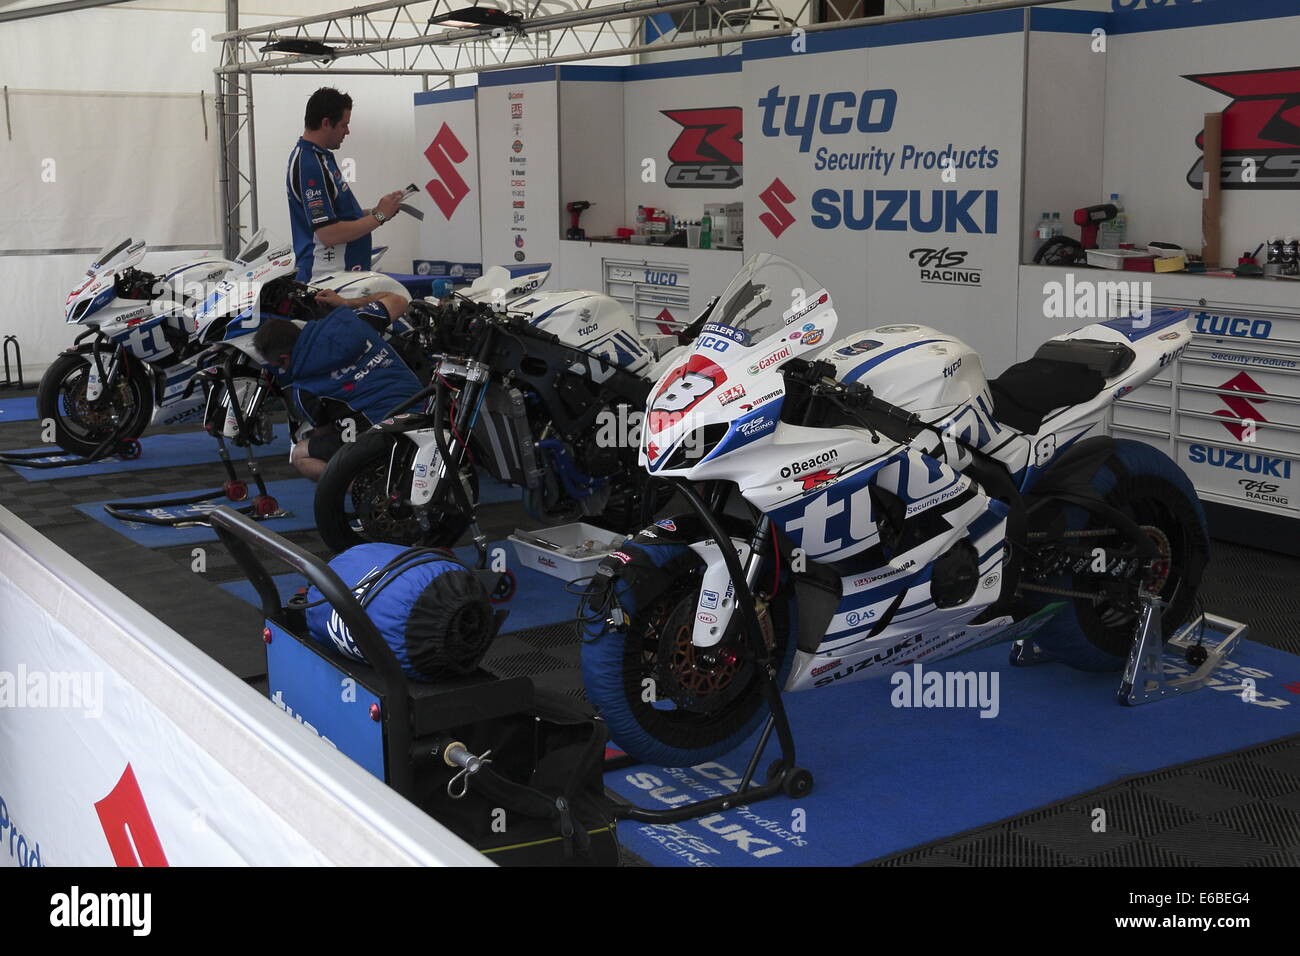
(1265,821)
(1070,832)
(1254,779)
(1196,793)
(1139,853)
(1206,843)
(1139,813)
(1006,849)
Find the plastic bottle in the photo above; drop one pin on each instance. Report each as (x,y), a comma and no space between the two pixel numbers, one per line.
(1057,228)
(1113,233)
(706,232)
(1274,250)
(1290,256)
(1043,231)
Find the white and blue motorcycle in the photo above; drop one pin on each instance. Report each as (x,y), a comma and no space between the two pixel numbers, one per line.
(882,503)
(145,335)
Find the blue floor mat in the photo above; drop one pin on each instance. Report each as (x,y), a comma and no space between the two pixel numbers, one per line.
(158,451)
(492,492)
(295,496)
(887,779)
(539,600)
(17,409)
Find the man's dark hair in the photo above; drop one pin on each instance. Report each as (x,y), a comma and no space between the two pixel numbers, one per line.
(276,337)
(326,103)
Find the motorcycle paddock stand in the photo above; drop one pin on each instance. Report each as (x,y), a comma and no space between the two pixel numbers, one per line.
(9,380)
(1145,679)
(128,449)
(262,507)
(783,776)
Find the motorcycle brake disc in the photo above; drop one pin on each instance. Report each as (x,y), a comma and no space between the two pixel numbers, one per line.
(698,679)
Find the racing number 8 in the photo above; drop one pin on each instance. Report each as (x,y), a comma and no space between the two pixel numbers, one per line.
(1044,451)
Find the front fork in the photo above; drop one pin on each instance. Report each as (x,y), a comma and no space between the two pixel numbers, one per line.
(100,378)
(716,604)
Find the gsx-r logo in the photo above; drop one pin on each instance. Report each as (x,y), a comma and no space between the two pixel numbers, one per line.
(1261,129)
(707,153)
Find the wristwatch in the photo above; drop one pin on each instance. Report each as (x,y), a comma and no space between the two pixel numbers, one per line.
(379,215)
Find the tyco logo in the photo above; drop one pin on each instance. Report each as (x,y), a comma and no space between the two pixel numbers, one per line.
(1241,408)
(443,154)
(707,152)
(1261,129)
(776,197)
(844,111)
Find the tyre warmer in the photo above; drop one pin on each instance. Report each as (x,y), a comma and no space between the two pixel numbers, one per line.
(429,609)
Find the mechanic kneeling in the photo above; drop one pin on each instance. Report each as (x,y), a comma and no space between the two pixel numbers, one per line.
(338,359)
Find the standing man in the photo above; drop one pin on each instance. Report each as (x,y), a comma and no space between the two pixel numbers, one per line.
(331,232)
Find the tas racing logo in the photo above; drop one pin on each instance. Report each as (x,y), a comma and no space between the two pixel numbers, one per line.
(707,153)
(1240,407)
(939,266)
(776,197)
(1261,129)
(444,154)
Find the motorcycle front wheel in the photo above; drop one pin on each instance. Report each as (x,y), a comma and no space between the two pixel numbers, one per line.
(354,505)
(666,701)
(82,425)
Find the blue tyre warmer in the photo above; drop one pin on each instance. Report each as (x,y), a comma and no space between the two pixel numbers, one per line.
(655,558)
(432,612)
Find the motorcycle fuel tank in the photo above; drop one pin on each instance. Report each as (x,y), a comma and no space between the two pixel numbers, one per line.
(916,367)
(589,321)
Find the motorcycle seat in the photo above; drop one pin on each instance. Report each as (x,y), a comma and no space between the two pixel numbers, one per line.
(1108,358)
(1025,393)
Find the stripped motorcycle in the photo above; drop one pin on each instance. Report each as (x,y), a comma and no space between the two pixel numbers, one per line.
(542,391)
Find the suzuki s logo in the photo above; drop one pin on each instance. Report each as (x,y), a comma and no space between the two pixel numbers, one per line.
(776,197)
(1241,407)
(444,154)
(707,152)
(1261,129)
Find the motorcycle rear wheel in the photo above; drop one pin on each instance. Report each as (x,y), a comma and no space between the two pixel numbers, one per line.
(664,702)
(1151,489)
(81,425)
(353,507)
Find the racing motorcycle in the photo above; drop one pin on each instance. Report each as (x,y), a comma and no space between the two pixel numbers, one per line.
(541,390)
(885,503)
(136,361)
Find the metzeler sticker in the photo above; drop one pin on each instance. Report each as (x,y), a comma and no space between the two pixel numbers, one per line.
(726,332)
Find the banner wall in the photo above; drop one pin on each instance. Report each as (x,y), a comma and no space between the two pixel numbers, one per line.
(446,135)
(519,167)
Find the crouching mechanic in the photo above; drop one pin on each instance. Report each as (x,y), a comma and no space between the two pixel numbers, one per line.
(339,369)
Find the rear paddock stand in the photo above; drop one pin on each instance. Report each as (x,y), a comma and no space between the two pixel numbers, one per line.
(262,507)
(1145,678)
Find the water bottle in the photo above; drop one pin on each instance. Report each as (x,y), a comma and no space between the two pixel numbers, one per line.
(706,232)
(1057,228)
(1113,233)
(1290,257)
(1043,232)
(1274,250)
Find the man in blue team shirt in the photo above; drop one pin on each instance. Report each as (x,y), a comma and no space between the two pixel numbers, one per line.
(331,232)
(338,359)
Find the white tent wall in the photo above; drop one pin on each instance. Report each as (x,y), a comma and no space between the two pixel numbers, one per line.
(129,152)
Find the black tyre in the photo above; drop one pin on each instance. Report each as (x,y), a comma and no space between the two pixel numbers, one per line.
(80,425)
(1148,487)
(353,505)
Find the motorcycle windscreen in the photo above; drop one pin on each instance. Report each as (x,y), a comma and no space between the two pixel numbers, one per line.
(117,255)
(771,311)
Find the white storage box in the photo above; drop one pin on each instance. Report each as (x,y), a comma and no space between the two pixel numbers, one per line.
(577,549)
